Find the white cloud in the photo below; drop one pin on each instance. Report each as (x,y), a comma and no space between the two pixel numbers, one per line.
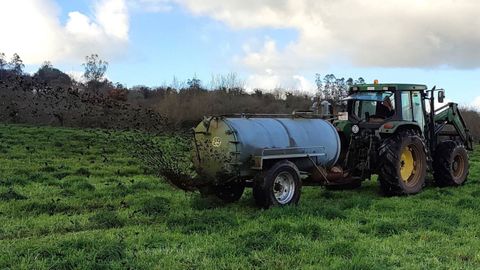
(476,103)
(270,80)
(303,84)
(76,75)
(112,17)
(32,29)
(436,104)
(265,80)
(379,33)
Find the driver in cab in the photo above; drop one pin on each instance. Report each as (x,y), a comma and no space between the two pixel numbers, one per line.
(385,108)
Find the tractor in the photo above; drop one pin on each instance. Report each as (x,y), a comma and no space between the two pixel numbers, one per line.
(395,131)
(390,130)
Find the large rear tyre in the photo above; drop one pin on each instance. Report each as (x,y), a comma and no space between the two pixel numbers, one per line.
(403,164)
(450,164)
(278,186)
(229,192)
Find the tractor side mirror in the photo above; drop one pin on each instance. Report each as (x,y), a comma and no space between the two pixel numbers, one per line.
(441,96)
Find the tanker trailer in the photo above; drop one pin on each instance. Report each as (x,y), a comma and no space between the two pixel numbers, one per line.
(272,154)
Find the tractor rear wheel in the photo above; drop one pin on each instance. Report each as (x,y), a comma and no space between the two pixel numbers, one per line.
(403,164)
(229,192)
(450,165)
(278,186)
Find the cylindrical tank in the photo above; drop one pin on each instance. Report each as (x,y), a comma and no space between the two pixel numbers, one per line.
(226,147)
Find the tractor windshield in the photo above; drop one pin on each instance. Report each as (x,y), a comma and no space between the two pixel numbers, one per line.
(372,105)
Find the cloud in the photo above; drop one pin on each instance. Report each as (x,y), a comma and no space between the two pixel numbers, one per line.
(77,75)
(270,80)
(153,6)
(32,28)
(363,33)
(476,104)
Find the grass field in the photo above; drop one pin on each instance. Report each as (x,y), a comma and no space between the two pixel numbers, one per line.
(73,199)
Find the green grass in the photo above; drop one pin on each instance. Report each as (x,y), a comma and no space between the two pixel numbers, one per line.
(78,199)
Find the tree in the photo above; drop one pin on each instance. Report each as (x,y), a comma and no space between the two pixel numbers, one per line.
(329,84)
(360,80)
(176,84)
(145,91)
(95,68)
(340,89)
(229,82)
(258,93)
(118,92)
(3,61)
(16,64)
(46,65)
(349,82)
(194,83)
(319,84)
(52,76)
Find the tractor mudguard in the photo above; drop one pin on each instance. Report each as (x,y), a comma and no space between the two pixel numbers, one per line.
(391,127)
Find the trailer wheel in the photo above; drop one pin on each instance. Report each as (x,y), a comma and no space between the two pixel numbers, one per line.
(450,164)
(403,164)
(278,186)
(229,192)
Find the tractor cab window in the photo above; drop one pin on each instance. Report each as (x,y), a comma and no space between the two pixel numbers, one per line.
(412,108)
(418,113)
(374,105)
(407,112)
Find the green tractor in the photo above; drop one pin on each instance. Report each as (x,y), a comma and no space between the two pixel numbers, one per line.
(394,131)
(389,130)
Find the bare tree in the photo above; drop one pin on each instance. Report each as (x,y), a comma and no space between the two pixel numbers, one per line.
(228,82)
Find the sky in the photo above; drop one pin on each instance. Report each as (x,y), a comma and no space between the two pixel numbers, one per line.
(268,44)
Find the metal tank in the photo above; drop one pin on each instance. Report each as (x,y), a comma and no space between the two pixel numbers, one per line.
(232,147)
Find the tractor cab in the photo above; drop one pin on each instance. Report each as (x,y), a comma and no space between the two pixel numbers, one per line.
(371,105)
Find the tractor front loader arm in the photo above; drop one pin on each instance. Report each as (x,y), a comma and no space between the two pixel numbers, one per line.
(451,115)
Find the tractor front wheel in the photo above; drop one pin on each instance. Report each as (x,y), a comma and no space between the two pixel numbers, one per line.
(403,164)
(450,165)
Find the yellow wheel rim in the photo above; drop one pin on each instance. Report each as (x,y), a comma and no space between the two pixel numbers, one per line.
(458,166)
(407,164)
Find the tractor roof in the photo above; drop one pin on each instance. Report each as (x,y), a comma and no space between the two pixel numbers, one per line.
(388,87)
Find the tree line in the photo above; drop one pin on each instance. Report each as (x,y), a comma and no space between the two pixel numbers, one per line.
(51,97)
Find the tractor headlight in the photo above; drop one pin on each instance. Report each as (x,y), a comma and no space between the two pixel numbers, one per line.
(355,129)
